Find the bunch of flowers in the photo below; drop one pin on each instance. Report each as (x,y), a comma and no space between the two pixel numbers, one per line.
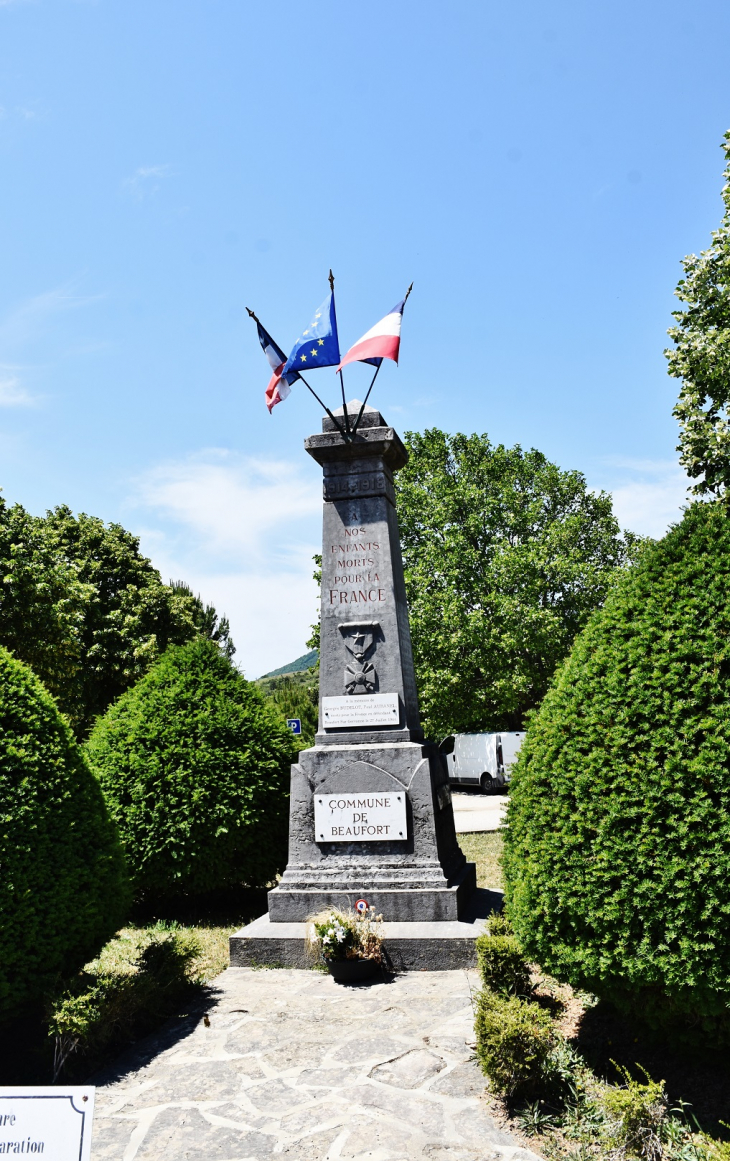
(333,935)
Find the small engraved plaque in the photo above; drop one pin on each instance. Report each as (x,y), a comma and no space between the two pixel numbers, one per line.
(377,709)
(54,1121)
(360,816)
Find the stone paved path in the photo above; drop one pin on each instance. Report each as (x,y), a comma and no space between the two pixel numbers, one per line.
(293,1065)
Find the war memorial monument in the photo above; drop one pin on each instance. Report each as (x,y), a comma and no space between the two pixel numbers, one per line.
(370,815)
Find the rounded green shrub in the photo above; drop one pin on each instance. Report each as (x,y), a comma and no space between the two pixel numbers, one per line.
(617,859)
(63,883)
(516,1041)
(195,767)
(500,959)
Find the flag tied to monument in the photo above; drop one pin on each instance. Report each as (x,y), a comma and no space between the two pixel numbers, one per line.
(279,384)
(318,345)
(381,342)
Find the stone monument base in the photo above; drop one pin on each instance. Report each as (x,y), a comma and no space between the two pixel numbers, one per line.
(413,875)
(438,946)
(406,903)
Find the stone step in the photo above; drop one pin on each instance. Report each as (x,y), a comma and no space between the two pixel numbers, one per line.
(408,946)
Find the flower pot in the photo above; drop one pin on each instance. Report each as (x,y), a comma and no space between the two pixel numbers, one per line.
(349,971)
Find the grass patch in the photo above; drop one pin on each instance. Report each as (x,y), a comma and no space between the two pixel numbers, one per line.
(120,955)
(485,849)
(140,979)
(143,976)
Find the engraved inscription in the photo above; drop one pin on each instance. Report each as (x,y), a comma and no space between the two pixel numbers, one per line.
(371,484)
(374,709)
(355,579)
(360,815)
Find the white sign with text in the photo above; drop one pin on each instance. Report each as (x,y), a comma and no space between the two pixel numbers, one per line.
(360,816)
(364,709)
(50,1122)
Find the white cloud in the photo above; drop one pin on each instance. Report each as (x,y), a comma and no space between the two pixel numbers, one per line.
(242,532)
(13,394)
(648,495)
(145,181)
(23,113)
(35,324)
(23,322)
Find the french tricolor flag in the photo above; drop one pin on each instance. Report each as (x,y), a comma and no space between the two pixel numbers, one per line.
(279,385)
(381,342)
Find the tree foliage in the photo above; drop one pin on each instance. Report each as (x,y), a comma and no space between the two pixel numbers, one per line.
(506,556)
(296,695)
(63,882)
(195,767)
(206,619)
(701,357)
(86,610)
(617,857)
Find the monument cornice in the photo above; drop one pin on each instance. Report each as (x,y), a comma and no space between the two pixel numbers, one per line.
(383,442)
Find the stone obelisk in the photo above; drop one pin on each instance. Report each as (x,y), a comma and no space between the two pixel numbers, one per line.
(370,814)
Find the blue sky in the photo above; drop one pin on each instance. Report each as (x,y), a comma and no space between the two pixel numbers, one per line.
(537,171)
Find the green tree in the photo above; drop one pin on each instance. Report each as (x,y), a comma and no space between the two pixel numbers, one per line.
(296,695)
(506,556)
(86,610)
(701,358)
(206,619)
(42,600)
(195,767)
(617,859)
(63,882)
(314,640)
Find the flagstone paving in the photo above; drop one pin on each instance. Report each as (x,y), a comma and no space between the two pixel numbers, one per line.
(288,1063)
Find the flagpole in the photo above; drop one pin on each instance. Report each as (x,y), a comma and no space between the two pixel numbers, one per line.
(359,417)
(304,381)
(342,381)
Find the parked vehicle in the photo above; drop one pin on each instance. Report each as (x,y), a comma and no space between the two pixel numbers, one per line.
(483,760)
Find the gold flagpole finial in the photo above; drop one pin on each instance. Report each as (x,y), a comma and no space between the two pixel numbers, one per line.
(332,281)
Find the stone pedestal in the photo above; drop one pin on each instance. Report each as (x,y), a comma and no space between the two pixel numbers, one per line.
(371,815)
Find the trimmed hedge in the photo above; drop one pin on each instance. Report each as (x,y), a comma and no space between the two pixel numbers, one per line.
(195,767)
(63,883)
(617,854)
(501,963)
(516,1042)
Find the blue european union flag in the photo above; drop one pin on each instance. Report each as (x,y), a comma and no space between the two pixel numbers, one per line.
(318,346)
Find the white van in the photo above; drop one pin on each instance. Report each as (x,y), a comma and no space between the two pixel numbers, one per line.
(483,760)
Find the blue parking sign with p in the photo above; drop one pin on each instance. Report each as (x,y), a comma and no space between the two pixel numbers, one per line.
(295,725)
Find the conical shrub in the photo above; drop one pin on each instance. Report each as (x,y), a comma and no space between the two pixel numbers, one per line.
(618,847)
(195,767)
(63,882)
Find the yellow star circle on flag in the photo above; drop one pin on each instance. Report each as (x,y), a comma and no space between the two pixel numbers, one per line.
(304,358)
(321,342)
(314,352)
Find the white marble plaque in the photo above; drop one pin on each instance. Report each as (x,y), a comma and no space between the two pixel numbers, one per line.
(360,816)
(364,709)
(51,1122)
